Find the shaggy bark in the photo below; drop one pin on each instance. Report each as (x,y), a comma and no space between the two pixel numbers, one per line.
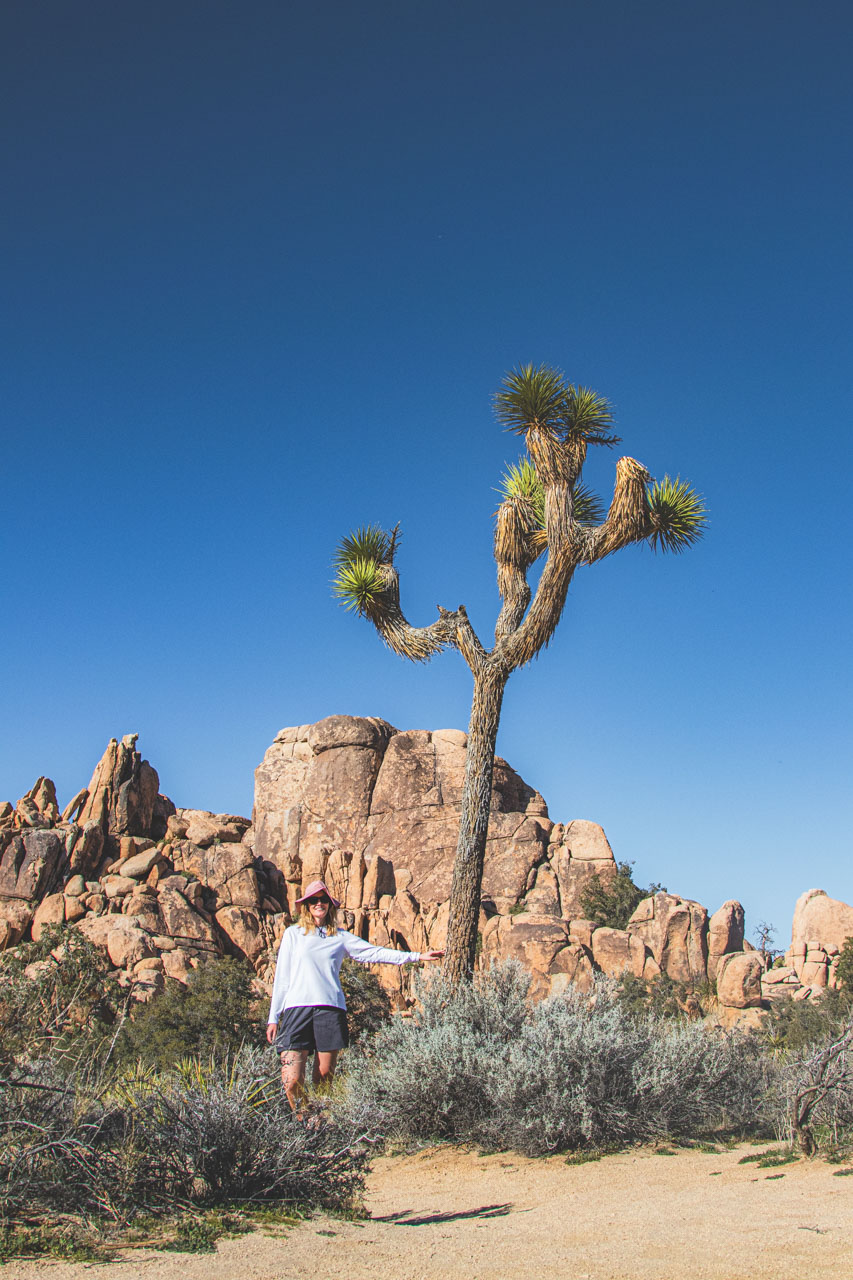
(474,823)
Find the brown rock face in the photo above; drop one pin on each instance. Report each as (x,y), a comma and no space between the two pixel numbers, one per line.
(124,795)
(536,941)
(676,932)
(819,919)
(739,980)
(243,930)
(725,934)
(616,951)
(15,917)
(32,864)
(375,812)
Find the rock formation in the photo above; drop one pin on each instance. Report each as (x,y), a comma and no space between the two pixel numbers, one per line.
(375,812)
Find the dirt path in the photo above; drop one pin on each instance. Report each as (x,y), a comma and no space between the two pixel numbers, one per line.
(447,1214)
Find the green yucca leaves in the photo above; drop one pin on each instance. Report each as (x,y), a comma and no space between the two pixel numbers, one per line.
(539,397)
(370,542)
(586,505)
(520,484)
(531,397)
(587,416)
(678,515)
(358,584)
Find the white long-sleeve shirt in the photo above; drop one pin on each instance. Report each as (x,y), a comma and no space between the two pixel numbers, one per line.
(307,970)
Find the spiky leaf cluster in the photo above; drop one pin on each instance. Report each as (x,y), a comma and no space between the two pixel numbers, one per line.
(370,542)
(531,397)
(538,398)
(587,505)
(521,486)
(358,581)
(677,514)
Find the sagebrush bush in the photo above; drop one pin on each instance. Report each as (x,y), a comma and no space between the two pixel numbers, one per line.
(208,1133)
(483,1065)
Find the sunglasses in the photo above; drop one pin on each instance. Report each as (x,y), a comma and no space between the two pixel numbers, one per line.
(312,902)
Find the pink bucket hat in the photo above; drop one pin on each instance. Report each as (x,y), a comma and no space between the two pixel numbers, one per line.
(315,887)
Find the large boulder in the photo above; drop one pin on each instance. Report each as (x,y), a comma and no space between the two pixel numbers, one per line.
(739,980)
(676,932)
(120,936)
(15,917)
(535,941)
(33,864)
(819,919)
(226,869)
(355,787)
(615,951)
(725,934)
(579,851)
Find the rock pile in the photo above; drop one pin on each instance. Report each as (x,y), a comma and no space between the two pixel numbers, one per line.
(374,812)
(158,888)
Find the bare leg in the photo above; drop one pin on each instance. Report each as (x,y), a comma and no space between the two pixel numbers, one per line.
(324,1069)
(293,1064)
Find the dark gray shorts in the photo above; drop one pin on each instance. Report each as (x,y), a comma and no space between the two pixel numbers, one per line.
(313,1027)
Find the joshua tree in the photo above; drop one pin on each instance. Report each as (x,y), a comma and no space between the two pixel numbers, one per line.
(545,510)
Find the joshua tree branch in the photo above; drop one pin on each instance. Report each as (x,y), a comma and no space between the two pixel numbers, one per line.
(629,518)
(463,637)
(515,590)
(545,612)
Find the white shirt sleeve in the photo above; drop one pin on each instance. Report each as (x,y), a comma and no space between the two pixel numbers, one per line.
(282,978)
(365,953)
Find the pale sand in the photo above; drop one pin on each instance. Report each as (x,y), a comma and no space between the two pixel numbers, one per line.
(634,1216)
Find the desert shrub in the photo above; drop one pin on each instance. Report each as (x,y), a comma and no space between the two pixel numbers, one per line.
(662,997)
(213,1014)
(815,1091)
(482,1065)
(793,1025)
(207,1134)
(57,997)
(611,903)
(368,1006)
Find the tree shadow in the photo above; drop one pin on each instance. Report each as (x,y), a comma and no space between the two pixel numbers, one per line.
(402,1218)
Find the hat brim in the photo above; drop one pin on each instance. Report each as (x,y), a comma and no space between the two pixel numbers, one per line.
(313,890)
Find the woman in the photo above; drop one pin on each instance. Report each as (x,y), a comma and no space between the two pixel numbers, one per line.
(307,997)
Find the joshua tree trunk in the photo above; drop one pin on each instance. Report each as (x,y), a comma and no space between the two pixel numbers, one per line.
(474,822)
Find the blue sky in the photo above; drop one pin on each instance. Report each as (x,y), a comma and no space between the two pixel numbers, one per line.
(265,267)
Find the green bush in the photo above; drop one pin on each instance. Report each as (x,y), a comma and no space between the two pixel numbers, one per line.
(368,1006)
(65,1006)
(611,903)
(845,965)
(794,1025)
(662,997)
(212,1016)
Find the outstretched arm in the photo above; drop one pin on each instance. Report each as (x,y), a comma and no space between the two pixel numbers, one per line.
(366,953)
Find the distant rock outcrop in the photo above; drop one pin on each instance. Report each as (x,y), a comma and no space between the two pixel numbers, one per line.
(374,812)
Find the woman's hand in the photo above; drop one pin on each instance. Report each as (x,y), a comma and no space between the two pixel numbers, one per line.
(272,1029)
(429,956)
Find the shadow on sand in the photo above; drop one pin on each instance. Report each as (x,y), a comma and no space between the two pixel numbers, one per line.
(402,1218)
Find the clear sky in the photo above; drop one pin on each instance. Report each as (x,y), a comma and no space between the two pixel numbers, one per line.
(265,265)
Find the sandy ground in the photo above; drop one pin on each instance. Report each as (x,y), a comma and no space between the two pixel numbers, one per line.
(635,1216)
